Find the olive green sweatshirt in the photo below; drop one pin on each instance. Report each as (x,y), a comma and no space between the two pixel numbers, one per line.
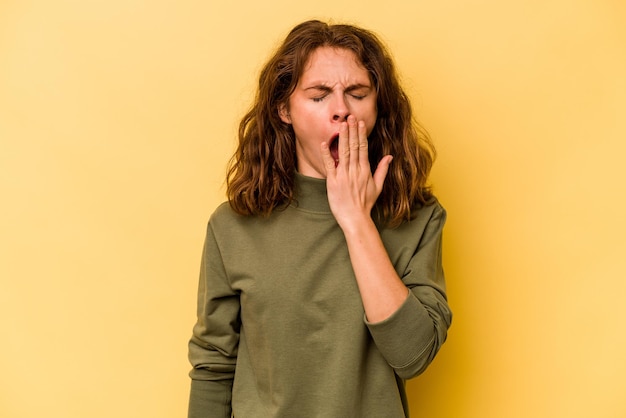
(281,330)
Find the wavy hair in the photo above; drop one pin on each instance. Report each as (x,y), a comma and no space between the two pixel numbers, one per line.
(261,173)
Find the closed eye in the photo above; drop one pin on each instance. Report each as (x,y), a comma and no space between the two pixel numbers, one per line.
(354,96)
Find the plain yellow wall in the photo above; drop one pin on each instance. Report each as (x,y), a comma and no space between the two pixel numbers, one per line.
(117,118)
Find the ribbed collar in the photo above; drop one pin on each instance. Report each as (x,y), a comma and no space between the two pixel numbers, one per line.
(311,194)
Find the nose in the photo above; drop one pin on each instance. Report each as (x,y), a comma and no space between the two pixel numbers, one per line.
(340,110)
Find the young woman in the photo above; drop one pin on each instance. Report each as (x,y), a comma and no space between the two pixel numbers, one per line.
(321,287)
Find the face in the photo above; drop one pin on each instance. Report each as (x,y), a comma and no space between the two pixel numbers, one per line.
(334,84)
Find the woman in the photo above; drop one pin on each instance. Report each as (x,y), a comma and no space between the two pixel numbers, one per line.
(321,286)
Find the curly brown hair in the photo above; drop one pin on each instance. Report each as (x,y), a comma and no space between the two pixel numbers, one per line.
(261,173)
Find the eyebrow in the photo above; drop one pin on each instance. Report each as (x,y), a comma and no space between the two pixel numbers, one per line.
(352,87)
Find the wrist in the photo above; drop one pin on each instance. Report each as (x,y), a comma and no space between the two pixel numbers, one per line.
(357,225)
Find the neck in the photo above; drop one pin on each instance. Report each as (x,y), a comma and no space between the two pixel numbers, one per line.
(311,194)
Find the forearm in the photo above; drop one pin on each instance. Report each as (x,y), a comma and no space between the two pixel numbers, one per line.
(210,399)
(382,291)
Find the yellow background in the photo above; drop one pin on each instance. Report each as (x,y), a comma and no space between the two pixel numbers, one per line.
(117,118)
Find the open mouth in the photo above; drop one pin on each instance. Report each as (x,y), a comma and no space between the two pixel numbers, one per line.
(333,146)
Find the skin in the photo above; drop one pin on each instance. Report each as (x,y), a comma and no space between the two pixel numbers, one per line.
(333,85)
(334,96)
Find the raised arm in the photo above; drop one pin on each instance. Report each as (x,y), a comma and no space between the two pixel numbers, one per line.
(406,311)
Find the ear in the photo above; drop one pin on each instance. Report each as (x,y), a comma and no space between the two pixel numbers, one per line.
(284,114)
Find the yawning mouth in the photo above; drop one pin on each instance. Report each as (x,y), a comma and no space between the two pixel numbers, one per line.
(333,146)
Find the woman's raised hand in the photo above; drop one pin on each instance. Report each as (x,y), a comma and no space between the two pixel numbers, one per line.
(352,190)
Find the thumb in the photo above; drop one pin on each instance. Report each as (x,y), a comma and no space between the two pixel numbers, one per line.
(381,172)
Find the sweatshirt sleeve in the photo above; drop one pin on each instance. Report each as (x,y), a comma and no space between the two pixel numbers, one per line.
(411,337)
(215,339)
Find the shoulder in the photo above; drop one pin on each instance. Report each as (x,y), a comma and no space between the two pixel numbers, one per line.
(225,226)
(222,212)
(225,217)
(432,210)
(426,218)
(225,222)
